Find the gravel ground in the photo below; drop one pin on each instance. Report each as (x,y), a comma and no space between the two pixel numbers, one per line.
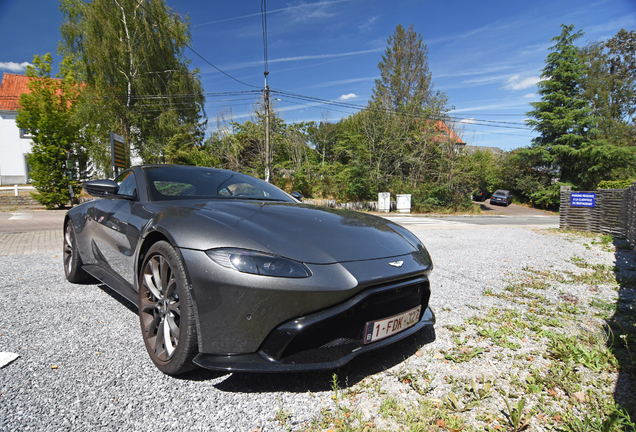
(83,365)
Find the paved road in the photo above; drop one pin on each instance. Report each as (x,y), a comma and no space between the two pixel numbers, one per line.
(25,220)
(472,221)
(26,231)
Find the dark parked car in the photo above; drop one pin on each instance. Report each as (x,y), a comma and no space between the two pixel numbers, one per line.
(479,195)
(501,197)
(231,273)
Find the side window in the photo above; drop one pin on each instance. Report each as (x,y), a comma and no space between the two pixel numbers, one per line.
(127,185)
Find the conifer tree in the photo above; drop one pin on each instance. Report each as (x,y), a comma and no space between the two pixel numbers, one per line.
(567,145)
(405,80)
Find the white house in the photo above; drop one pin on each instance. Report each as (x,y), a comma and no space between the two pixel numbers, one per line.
(14,143)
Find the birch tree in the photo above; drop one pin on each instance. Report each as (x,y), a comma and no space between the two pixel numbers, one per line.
(130,55)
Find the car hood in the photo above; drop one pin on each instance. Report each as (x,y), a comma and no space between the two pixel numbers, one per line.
(305,233)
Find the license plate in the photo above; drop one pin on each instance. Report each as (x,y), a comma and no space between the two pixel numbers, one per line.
(377,330)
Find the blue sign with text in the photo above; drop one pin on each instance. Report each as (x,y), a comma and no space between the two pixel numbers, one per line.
(583,199)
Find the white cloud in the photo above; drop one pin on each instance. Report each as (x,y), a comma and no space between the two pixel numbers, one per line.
(625,22)
(298,58)
(317,10)
(14,67)
(368,25)
(529,95)
(467,121)
(515,82)
(481,71)
(340,82)
(348,96)
(322,56)
(494,106)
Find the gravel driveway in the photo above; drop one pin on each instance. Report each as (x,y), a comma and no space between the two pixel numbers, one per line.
(83,364)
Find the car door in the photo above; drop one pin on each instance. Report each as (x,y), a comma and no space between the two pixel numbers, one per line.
(108,219)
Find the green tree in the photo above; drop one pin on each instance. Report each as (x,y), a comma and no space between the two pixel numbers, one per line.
(46,111)
(609,85)
(405,80)
(404,124)
(130,56)
(567,147)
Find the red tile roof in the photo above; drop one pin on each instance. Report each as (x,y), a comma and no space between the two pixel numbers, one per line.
(12,86)
(443,127)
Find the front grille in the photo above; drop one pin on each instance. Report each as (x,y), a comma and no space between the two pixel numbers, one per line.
(338,342)
(345,324)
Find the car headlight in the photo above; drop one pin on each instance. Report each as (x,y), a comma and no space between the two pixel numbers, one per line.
(247,261)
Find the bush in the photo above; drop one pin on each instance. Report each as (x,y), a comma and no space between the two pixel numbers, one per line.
(616,184)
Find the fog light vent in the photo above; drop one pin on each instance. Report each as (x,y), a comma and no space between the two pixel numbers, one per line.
(338,342)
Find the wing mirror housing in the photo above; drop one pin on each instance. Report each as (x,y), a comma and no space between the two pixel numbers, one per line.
(297,196)
(101,188)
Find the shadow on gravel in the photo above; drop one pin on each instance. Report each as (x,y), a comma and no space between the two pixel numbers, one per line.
(300,382)
(485,207)
(121,299)
(623,327)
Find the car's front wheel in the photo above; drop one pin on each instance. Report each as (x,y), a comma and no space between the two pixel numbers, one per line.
(166,310)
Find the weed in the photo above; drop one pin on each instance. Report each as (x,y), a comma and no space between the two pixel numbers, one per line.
(282,416)
(568,350)
(462,354)
(419,381)
(484,392)
(454,328)
(388,406)
(515,412)
(335,387)
(568,309)
(453,422)
(452,403)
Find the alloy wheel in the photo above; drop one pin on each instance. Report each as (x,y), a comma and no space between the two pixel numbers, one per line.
(68,250)
(159,309)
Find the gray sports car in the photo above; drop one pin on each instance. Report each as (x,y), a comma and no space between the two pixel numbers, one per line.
(231,273)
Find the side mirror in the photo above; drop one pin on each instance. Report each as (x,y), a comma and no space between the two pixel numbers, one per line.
(100,188)
(297,196)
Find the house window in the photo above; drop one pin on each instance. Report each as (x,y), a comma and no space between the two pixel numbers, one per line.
(24,133)
(27,169)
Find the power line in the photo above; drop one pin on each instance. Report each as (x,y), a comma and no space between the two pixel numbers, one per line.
(171,96)
(192,49)
(490,123)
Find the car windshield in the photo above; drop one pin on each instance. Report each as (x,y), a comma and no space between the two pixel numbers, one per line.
(187,182)
(501,193)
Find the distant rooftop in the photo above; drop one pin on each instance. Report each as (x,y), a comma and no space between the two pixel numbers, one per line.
(12,86)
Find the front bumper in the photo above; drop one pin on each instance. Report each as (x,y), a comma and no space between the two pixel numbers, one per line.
(332,337)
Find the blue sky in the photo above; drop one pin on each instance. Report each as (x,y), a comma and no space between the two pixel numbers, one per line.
(486,56)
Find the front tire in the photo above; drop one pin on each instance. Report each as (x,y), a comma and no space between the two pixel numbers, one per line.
(72,260)
(166,310)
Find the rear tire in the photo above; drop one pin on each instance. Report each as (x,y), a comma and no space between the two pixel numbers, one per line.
(72,260)
(166,310)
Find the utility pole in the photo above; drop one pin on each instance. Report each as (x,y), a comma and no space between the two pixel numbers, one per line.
(267,149)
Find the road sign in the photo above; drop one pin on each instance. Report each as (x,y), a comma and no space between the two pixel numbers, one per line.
(117,152)
(583,199)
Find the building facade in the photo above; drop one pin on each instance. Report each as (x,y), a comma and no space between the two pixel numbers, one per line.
(15,144)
